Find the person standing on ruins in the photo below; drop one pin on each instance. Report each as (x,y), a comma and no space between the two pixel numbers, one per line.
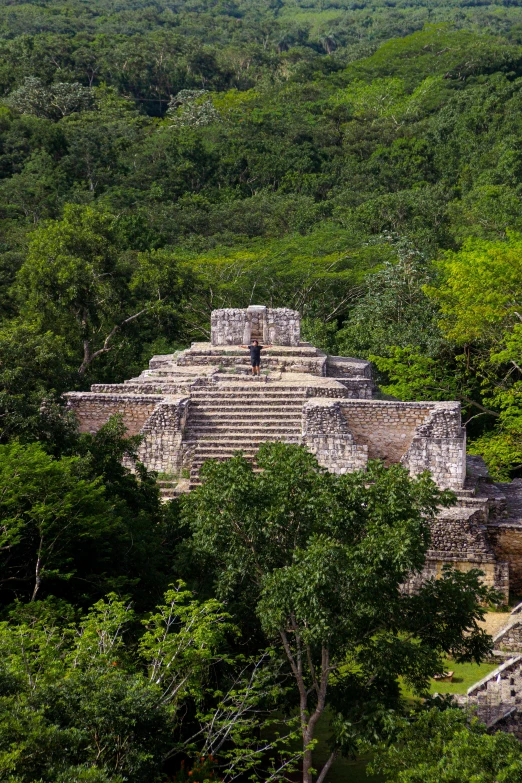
(255,355)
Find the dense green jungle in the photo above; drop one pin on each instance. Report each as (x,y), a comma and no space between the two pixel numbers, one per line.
(360,161)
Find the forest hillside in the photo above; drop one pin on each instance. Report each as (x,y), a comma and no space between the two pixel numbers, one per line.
(360,162)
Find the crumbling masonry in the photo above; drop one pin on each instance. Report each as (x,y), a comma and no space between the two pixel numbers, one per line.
(202,404)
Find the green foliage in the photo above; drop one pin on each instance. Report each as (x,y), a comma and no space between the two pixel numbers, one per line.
(34,368)
(96,693)
(46,509)
(77,279)
(360,164)
(480,290)
(479,294)
(320,558)
(444,747)
(393,311)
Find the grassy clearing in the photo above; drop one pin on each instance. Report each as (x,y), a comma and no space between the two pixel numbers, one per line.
(345,771)
(466,675)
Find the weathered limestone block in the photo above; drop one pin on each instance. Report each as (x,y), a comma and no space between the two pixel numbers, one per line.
(284,326)
(93,410)
(493,697)
(386,427)
(495,574)
(229,326)
(510,638)
(506,541)
(234,326)
(357,388)
(326,435)
(161,448)
(346,367)
(439,445)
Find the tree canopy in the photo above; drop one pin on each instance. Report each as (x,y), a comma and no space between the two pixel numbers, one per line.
(321,559)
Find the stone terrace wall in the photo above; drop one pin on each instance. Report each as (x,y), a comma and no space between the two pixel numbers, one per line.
(439,445)
(326,435)
(387,428)
(506,541)
(161,448)
(498,692)
(494,574)
(422,435)
(347,367)
(94,410)
(510,638)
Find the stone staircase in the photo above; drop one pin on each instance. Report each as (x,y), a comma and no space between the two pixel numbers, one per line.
(495,697)
(240,416)
(233,358)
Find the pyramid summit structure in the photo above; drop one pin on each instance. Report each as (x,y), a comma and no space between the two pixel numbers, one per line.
(203,403)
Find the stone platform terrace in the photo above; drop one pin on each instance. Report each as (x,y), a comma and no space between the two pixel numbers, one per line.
(203,403)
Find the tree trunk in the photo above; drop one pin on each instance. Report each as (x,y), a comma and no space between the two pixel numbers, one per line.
(307,766)
(38,572)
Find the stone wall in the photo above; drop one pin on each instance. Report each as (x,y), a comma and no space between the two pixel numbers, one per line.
(229,326)
(506,542)
(459,539)
(284,326)
(494,574)
(500,691)
(439,445)
(421,435)
(357,388)
(276,325)
(94,410)
(161,448)
(326,435)
(510,723)
(157,387)
(387,428)
(510,638)
(347,367)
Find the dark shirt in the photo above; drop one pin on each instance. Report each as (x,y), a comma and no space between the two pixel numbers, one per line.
(255,353)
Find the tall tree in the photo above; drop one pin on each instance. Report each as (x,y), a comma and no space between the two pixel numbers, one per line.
(321,559)
(79,282)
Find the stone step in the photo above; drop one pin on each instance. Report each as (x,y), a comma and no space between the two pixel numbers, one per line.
(220,456)
(251,402)
(258,414)
(258,392)
(237,350)
(219,404)
(226,360)
(245,428)
(244,422)
(233,444)
(199,393)
(192,434)
(248,440)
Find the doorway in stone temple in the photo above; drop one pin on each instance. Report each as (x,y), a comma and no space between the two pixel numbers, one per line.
(256,316)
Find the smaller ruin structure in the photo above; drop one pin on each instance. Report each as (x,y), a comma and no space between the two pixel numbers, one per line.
(202,403)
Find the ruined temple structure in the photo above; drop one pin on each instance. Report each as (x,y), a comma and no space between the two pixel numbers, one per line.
(202,404)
